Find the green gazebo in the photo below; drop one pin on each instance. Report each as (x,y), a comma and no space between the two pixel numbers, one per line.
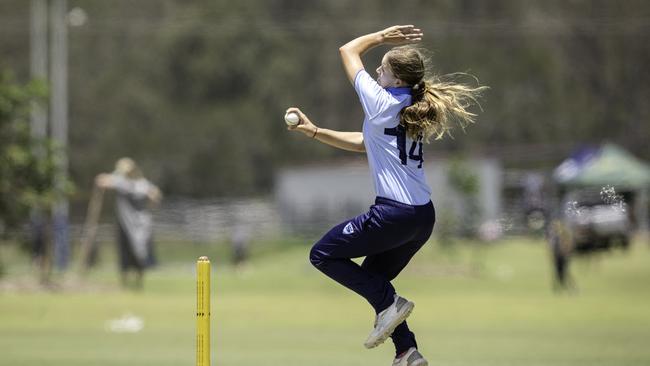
(608,165)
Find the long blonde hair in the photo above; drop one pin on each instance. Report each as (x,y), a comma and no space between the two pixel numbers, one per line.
(437,101)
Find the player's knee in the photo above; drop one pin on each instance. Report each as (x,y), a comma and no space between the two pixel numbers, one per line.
(317,257)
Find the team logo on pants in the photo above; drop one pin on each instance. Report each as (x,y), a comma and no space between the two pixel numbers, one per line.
(348,229)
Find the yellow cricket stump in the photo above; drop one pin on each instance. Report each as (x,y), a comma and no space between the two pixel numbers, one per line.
(203,312)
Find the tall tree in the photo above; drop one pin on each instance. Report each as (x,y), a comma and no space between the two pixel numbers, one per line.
(27,165)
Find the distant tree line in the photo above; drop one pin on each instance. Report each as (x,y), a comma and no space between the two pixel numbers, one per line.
(195,90)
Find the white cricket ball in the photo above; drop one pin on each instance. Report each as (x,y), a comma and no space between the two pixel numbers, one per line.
(291,118)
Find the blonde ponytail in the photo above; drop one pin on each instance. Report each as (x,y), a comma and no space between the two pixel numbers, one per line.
(438,103)
(437,106)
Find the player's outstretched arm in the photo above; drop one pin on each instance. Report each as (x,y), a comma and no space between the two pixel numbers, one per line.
(350,141)
(352,51)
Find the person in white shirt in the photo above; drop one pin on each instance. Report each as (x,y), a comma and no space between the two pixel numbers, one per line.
(134,196)
(403,108)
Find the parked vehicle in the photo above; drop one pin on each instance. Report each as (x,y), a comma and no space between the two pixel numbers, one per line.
(600,226)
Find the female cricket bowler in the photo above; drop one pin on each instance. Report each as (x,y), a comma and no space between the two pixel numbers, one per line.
(403,108)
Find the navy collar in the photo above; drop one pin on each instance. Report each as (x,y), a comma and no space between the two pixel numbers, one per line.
(399,91)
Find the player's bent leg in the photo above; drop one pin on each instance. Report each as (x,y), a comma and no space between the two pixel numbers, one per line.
(374,288)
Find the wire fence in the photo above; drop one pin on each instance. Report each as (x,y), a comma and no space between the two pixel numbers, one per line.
(200,221)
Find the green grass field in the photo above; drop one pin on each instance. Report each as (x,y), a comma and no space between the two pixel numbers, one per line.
(487,306)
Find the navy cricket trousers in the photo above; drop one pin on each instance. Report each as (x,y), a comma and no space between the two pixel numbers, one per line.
(388,235)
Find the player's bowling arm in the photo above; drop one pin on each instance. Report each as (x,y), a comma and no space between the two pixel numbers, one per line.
(352,51)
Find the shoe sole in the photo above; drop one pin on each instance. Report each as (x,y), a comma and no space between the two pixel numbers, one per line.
(408,308)
(420,363)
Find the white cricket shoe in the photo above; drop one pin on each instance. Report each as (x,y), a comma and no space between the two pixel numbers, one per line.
(388,320)
(411,358)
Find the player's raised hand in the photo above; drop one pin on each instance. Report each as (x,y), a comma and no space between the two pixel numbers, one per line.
(401,34)
(305,125)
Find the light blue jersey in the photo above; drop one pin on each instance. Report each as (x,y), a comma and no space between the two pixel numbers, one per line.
(395,159)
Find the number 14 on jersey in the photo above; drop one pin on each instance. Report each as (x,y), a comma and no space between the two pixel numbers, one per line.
(400,133)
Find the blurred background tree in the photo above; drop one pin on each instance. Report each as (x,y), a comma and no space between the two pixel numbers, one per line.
(195,90)
(27,170)
(465,183)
